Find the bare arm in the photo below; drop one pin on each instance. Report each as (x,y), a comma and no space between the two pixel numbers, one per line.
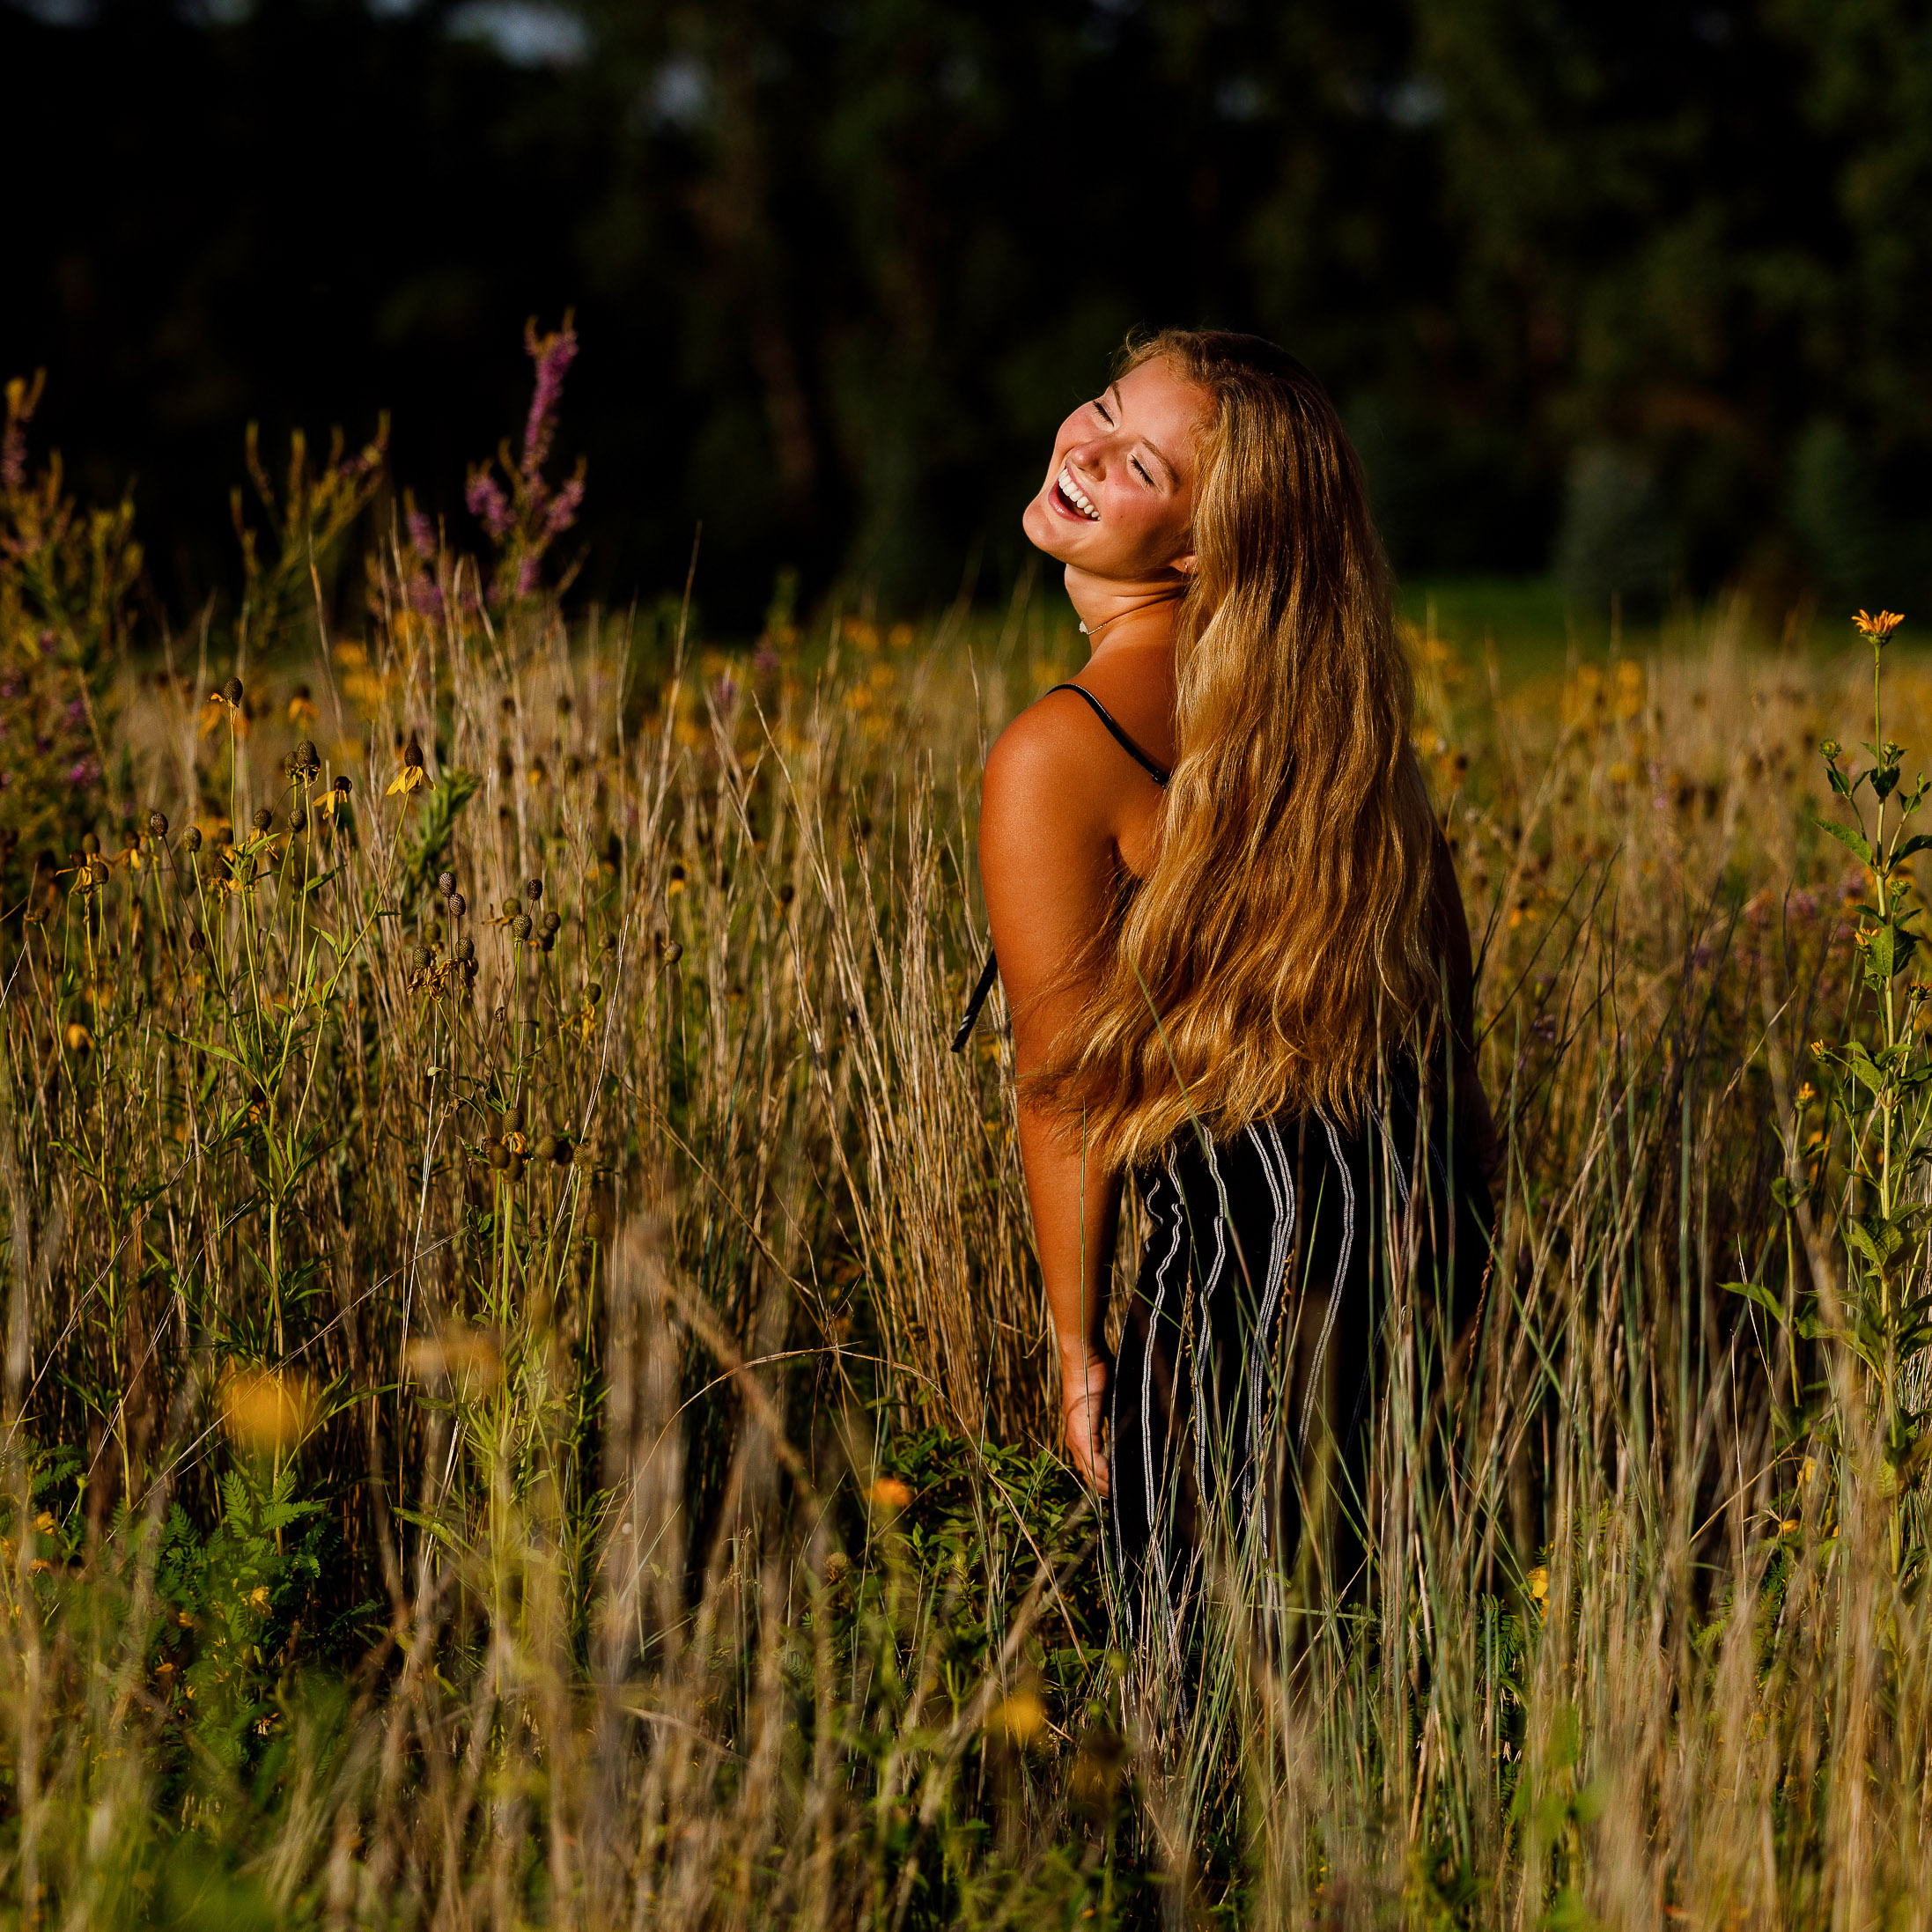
(1048,863)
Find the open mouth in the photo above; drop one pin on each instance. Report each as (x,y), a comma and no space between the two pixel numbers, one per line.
(1071,498)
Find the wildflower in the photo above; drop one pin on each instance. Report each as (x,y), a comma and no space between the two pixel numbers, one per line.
(487,503)
(1807,1094)
(1018,1718)
(1832,750)
(467,1357)
(265,1409)
(231,692)
(889,1492)
(264,819)
(1818,1048)
(553,355)
(1879,628)
(301,707)
(1538,1580)
(412,778)
(422,533)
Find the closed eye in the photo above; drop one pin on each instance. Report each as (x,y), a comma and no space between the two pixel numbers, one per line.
(1102,411)
(1142,470)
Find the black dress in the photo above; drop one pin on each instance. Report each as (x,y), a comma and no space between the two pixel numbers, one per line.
(1272,1260)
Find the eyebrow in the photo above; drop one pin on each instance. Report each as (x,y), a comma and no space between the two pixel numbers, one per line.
(1174,475)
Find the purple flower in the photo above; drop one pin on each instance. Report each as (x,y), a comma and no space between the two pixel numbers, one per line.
(422,533)
(553,355)
(562,510)
(82,772)
(424,598)
(526,574)
(76,711)
(488,504)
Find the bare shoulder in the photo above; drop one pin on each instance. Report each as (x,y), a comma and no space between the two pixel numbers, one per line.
(1042,756)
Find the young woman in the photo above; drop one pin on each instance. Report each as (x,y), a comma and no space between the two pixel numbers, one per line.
(1233,948)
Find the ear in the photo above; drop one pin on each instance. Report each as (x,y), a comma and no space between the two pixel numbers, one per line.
(1187,563)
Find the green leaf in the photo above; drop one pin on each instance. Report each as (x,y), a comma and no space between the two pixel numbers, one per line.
(1846,835)
(1753,1291)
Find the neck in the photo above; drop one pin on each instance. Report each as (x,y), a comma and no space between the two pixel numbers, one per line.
(1111,612)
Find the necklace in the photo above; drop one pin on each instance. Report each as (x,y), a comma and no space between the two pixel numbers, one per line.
(1094,630)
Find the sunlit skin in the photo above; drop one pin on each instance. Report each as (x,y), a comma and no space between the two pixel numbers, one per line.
(1064,811)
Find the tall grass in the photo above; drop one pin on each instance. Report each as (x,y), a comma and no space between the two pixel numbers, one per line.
(509,1423)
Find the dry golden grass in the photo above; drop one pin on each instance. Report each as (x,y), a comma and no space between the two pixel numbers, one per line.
(468,1434)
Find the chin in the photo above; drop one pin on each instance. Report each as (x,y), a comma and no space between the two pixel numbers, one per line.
(1042,530)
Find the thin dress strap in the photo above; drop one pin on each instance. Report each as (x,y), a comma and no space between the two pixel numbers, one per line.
(990,971)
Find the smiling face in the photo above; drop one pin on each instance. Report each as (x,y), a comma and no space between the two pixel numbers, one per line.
(1119,493)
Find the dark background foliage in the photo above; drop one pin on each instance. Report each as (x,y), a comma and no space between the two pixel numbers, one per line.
(1636,294)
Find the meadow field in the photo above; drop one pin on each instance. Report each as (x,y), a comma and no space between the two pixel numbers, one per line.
(524,1395)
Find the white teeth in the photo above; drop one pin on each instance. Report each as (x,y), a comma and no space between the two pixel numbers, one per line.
(1075,494)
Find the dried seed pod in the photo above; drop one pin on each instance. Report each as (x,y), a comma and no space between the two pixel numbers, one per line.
(532,890)
(512,908)
(305,752)
(546,1147)
(298,819)
(192,839)
(519,927)
(90,844)
(412,754)
(496,1152)
(466,949)
(673,952)
(157,823)
(263,819)
(342,785)
(458,905)
(232,690)
(594,992)
(195,943)
(445,883)
(514,1171)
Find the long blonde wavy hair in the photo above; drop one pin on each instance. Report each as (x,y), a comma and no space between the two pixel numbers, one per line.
(1281,942)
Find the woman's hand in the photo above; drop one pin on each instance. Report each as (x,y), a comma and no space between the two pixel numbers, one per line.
(1084,1380)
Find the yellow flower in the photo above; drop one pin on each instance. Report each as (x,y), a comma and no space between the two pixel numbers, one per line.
(890,1493)
(1807,1094)
(1538,1580)
(1019,1719)
(1878,628)
(412,778)
(302,709)
(1818,1047)
(265,1410)
(258,1597)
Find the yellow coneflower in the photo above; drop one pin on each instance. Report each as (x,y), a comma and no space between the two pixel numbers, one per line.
(412,778)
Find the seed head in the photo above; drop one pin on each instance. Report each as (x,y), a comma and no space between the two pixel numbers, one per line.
(195,943)
(519,927)
(546,1147)
(263,819)
(192,839)
(232,690)
(412,755)
(512,1171)
(342,785)
(298,818)
(496,1154)
(673,952)
(546,940)
(594,992)
(304,753)
(90,844)
(157,823)
(532,890)
(458,905)
(512,908)
(466,949)
(445,883)
(553,922)
(610,942)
